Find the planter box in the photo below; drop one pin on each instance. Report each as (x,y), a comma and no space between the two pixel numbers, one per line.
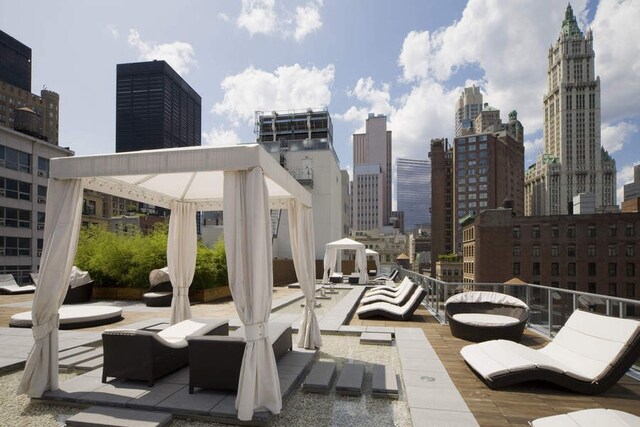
(118,293)
(208,295)
(195,295)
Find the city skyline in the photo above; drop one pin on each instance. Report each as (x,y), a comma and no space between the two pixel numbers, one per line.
(409,63)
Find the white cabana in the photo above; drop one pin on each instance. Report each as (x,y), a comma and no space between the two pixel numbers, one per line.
(331,258)
(376,258)
(243,180)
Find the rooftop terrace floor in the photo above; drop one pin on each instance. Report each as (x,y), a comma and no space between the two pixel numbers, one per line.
(513,406)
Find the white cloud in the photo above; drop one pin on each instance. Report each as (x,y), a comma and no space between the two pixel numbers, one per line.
(180,55)
(615,34)
(261,17)
(221,137)
(614,137)
(414,57)
(113,31)
(288,87)
(307,20)
(257,16)
(624,176)
(223,17)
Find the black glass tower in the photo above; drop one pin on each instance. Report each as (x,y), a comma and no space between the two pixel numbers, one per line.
(15,62)
(155,108)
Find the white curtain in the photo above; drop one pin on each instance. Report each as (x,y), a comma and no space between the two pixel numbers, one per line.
(303,252)
(62,225)
(361,265)
(330,257)
(247,231)
(182,247)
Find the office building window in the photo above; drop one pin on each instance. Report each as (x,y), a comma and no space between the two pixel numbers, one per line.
(591,250)
(536,269)
(516,250)
(591,287)
(629,250)
(15,159)
(535,232)
(555,250)
(535,251)
(571,269)
(613,289)
(17,218)
(612,230)
(555,231)
(571,250)
(571,231)
(555,268)
(613,269)
(631,290)
(43,167)
(516,268)
(591,230)
(14,189)
(516,232)
(629,230)
(631,269)
(15,246)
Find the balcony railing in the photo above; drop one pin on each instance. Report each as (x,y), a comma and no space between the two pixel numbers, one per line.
(549,308)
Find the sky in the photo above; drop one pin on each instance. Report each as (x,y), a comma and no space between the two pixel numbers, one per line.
(406,59)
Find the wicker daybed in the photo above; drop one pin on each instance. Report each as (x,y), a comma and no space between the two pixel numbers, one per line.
(481,316)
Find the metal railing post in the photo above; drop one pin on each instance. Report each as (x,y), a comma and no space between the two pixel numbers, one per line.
(550,307)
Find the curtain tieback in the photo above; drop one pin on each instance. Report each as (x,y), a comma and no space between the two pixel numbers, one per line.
(182,291)
(41,331)
(256,332)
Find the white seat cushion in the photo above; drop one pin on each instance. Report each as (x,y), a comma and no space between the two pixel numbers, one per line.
(484,296)
(589,418)
(188,328)
(481,319)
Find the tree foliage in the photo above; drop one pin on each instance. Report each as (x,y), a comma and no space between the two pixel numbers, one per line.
(125,260)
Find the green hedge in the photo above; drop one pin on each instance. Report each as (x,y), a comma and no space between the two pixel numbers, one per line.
(125,260)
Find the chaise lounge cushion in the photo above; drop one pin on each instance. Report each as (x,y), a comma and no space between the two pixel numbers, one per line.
(397,299)
(589,418)
(389,290)
(589,354)
(392,311)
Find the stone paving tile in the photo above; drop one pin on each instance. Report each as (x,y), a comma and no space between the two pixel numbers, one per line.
(96,416)
(91,364)
(82,357)
(116,393)
(432,417)
(199,403)
(226,410)
(416,378)
(152,396)
(181,376)
(72,352)
(436,398)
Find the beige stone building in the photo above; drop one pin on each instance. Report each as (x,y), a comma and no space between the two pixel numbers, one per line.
(573,161)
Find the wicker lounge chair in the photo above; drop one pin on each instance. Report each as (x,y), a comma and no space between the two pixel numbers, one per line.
(482,316)
(145,355)
(385,277)
(398,299)
(80,286)
(589,354)
(8,285)
(160,291)
(392,311)
(215,362)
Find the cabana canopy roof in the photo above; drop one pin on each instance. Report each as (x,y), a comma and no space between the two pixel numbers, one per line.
(345,244)
(190,174)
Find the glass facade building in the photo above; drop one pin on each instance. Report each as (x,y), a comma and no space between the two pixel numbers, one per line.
(414,192)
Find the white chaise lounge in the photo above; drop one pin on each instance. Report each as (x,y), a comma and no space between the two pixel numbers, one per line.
(399,298)
(8,285)
(589,418)
(392,311)
(588,355)
(389,290)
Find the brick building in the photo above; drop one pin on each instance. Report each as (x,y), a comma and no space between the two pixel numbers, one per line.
(597,253)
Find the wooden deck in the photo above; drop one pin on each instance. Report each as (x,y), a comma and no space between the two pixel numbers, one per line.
(512,406)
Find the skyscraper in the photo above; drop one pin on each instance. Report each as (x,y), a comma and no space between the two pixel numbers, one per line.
(574,161)
(15,62)
(441,156)
(414,192)
(371,192)
(468,107)
(155,108)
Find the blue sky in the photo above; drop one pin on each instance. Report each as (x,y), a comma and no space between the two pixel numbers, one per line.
(406,59)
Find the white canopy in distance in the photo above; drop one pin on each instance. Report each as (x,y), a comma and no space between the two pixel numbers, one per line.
(331,258)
